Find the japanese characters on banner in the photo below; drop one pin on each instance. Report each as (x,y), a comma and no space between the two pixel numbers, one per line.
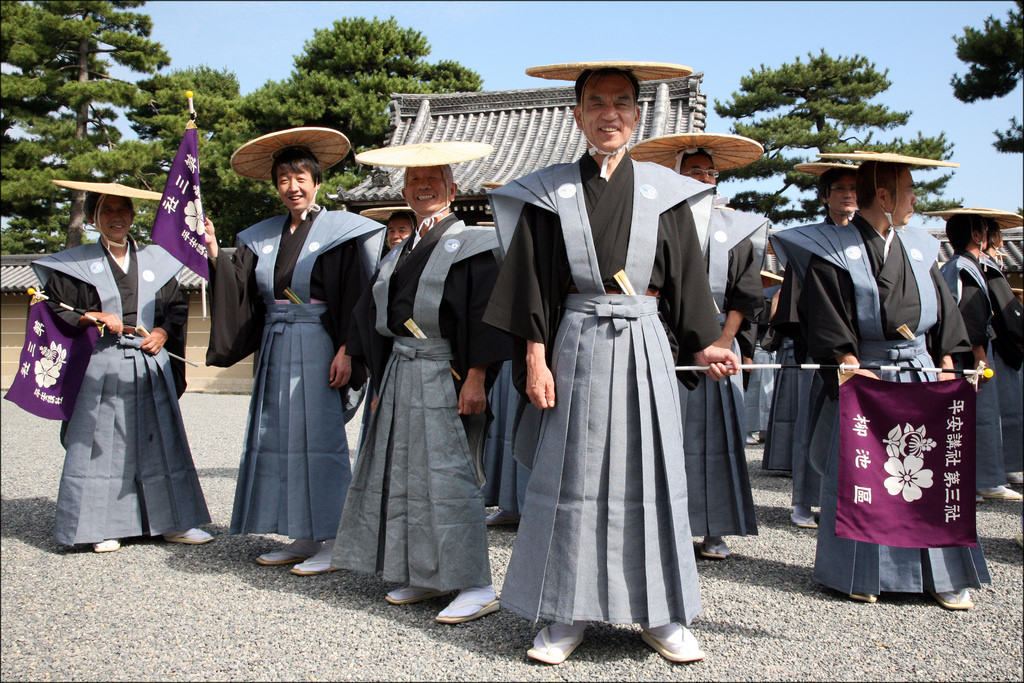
(906,463)
(179,223)
(52,364)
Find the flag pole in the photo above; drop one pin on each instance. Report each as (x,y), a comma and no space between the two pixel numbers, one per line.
(38,296)
(843,367)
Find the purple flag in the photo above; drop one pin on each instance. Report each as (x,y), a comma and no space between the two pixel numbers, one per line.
(53,364)
(906,463)
(178,226)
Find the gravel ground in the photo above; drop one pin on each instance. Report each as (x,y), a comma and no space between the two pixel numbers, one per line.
(159,611)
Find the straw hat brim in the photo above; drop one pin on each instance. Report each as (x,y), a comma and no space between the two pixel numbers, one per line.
(490,185)
(255,158)
(888,157)
(113,189)
(1004,219)
(383,213)
(819,167)
(425,154)
(727,150)
(642,71)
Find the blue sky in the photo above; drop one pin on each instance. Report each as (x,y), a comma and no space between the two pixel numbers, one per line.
(724,40)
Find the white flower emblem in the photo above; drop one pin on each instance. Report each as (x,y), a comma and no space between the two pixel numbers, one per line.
(48,367)
(907,442)
(908,477)
(194,216)
(567,190)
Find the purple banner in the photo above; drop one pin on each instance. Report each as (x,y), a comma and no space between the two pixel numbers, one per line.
(179,223)
(906,463)
(52,365)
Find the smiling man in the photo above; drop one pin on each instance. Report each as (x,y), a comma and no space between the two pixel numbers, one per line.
(604,533)
(415,510)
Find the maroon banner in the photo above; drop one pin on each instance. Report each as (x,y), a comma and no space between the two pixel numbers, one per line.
(52,365)
(906,463)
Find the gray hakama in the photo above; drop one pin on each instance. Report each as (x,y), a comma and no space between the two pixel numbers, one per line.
(128,469)
(415,510)
(1011,411)
(842,564)
(718,485)
(757,397)
(604,534)
(506,478)
(988,460)
(1008,326)
(295,467)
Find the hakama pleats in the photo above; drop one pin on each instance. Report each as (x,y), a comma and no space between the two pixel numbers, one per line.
(295,467)
(128,469)
(415,511)
(757,398)
(1011,412)
(506,478)
(604,534)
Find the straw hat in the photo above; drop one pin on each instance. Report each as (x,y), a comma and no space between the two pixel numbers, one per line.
(490,185)
(888,157)
(255,158)
(113,189)
(727,150)
(819,167)
(383,213)
(1004,219)
(425,154)
(642,71)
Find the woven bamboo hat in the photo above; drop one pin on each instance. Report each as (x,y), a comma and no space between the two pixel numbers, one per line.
(726,150)
(255,158)
(642,71)
(425,154)
(383,213)
(1004,219)
(887,157)
(819,167)
(490,185)
(113,189)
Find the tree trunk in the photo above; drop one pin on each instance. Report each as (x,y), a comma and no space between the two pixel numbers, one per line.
(75,226)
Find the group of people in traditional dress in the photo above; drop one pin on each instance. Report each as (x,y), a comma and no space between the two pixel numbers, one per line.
(598,281)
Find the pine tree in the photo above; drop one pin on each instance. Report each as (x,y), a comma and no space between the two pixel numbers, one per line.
(59,108)
(822,105)
(995,58)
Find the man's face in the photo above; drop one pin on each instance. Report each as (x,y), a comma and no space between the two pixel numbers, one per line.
(905,198)
(399,227)
(296,189)
(114,219)
(607,112)
(699,167)
(842,194)
(426,191)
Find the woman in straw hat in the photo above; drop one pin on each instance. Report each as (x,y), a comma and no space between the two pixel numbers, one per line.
(967,231)
(603,288)
(733,243)
(415,511)
(288,293)
(893,305)
(128,469)
(1007,347)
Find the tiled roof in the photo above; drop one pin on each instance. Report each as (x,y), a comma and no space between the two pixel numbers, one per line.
(529,129)
(16,276)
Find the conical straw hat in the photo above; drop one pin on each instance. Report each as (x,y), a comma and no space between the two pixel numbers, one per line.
(425,154)
(819,167)
(383,213)
(1004,219)
(727,150)
(642,71)
(888,157)
(113,189)
(255,158)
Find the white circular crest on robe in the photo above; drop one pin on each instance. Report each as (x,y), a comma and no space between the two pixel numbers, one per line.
(853,253)
(566,191)
(648,191)
(148,275)
(451,245)
(313,246)
(720,236)
(267,249)
(916,255)
(96,267)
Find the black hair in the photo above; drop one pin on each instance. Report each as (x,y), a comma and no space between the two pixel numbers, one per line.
(581,80)
(960,229)
(832,175)
(93,198)
(296,160)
